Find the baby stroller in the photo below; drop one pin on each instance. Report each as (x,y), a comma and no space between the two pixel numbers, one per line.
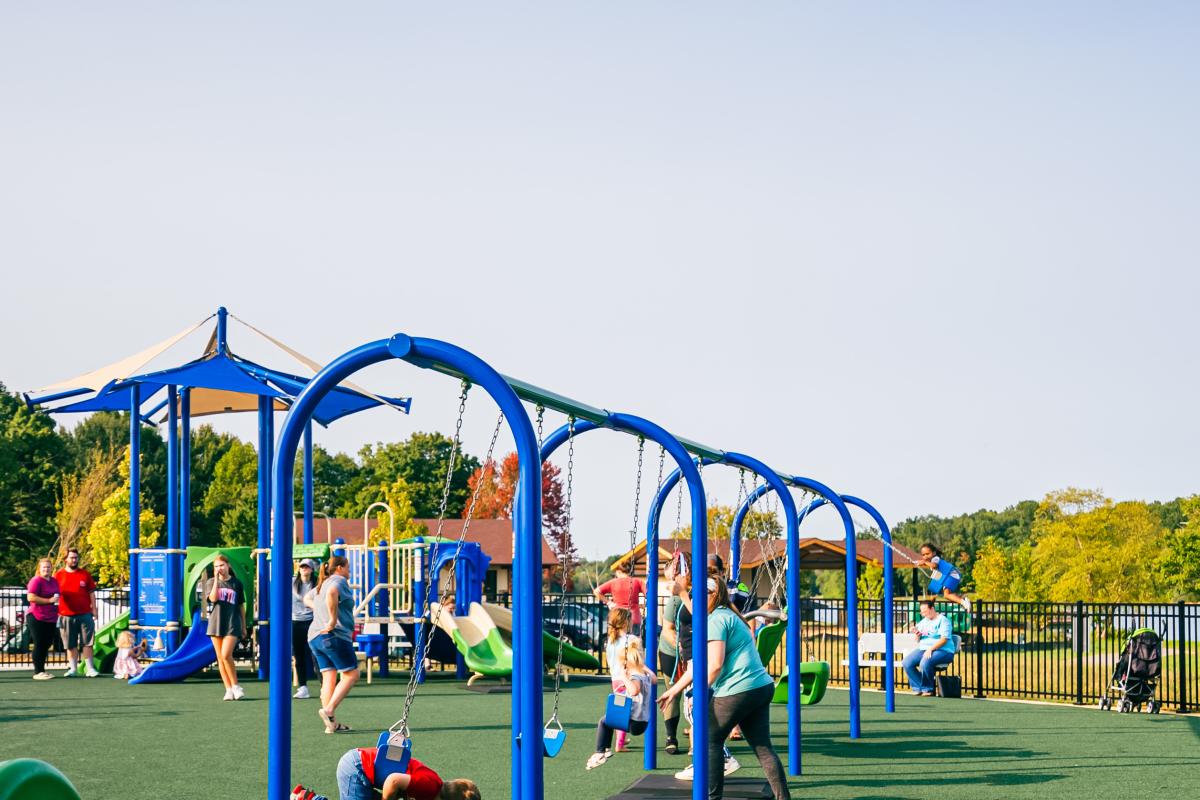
(1136,675)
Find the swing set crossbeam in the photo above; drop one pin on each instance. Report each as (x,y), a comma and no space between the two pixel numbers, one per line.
(535,394)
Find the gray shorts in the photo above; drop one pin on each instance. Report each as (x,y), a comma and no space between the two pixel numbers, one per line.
(78,630)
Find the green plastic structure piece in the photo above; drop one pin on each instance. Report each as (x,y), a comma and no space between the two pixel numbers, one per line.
(30,779)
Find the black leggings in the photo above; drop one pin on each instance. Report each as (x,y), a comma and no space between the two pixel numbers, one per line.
(43,634)
(604,734)
(301,651)
(752,711)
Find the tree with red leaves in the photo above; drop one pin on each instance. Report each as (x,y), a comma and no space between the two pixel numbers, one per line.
(499,486)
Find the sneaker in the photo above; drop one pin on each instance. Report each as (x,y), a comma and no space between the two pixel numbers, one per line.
(598,758)
(331,725)
(685,774)
(228,694)
(238,692)
(672,747)
(92,673)
(731,765)
(70,672)
(304,793)
(302,693)
(42,676)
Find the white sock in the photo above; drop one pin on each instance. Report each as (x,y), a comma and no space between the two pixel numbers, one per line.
(72,665)
(91,664)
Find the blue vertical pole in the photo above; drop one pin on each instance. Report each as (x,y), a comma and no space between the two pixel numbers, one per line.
(266,442)
(650,754)
(135,497)
(185,472)
(888,597)
(170,636)
(735,558)
(222,328)
(308,483)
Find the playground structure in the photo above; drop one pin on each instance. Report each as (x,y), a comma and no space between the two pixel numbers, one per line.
(527,711)
(393,581)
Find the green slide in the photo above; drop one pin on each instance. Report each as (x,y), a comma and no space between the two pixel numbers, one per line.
(105,648)
(28,779)
(814,678)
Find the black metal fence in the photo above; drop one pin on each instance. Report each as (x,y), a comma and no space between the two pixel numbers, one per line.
(1065,652)
(1051,651)
(15,640)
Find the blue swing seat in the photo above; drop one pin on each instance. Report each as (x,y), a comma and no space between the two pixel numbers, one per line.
(618,711)
(391,757)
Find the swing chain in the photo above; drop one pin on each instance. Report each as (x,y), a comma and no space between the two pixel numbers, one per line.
(564,559)
(541,416)
(637,494)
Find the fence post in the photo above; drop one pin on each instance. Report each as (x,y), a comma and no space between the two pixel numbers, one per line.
(1078,652)
(977,622)
(1181,650)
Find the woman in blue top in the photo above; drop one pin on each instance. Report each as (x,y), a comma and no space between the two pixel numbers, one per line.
(741,693)
(935,647)
(331,637)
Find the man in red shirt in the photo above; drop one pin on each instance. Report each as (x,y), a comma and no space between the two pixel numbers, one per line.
(356,781)
(626,592)
(76,614)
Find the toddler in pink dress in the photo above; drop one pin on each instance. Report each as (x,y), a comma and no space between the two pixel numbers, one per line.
(127,664)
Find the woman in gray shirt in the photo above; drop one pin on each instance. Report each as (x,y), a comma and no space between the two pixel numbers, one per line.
(331,636)
(304,582)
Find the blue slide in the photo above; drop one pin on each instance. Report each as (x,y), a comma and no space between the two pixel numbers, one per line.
(194,654)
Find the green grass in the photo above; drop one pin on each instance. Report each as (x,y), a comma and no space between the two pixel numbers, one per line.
(182,741)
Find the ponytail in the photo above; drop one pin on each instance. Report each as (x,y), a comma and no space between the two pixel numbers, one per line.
(328,567)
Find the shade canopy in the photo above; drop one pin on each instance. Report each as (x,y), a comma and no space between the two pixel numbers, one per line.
(220,383)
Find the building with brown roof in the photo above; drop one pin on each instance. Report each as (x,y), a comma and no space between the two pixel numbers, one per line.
(495,537)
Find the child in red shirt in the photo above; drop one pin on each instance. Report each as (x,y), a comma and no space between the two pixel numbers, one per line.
(356,781)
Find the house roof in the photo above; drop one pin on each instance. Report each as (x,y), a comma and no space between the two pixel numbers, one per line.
(493,535)
(815,554)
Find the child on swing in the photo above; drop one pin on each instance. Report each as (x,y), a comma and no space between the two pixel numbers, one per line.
(356,781)
(619,622)
(636,682)
(946,576)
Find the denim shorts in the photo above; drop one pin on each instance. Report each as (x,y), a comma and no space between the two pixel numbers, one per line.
(351,780)
(333,653)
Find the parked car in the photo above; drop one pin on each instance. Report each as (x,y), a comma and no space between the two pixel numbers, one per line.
(582,626)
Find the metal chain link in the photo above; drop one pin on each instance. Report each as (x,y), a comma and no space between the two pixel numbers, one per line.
(541,416)
(637,493)
(564,559)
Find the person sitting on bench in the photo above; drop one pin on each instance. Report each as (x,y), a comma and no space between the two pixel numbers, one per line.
(935,647)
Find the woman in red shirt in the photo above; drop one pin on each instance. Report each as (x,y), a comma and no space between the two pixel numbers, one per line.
(626,592)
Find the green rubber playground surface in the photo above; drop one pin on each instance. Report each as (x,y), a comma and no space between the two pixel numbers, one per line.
(182,741)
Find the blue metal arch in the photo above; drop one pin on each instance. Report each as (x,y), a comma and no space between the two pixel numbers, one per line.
(686,468)
(888,587)
(527,777)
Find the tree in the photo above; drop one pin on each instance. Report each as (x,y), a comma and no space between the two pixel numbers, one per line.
(720,524)
(421,460)
(336,481)
(993,566)
(398,497)
(1089,548)
(1178,568)
(499,487)
(81,499)
(107,432)
(108,536)
(208,448)
(33,458)
(232,497)
(961,537)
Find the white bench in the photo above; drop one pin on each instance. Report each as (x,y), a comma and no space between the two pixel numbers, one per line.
(872,649)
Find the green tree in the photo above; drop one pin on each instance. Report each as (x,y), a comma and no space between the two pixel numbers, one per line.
(421,460)
(232,497)
(108,536)
(1178,568)
(993,569)
(33,458)
(1090,548)
(336,481)
(208,448)
(107,432)
(398,497)
(758,524)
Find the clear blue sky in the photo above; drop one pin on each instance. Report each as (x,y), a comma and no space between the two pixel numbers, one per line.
(939,255)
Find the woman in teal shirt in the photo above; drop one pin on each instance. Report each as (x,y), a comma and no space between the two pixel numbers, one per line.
(741,693)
